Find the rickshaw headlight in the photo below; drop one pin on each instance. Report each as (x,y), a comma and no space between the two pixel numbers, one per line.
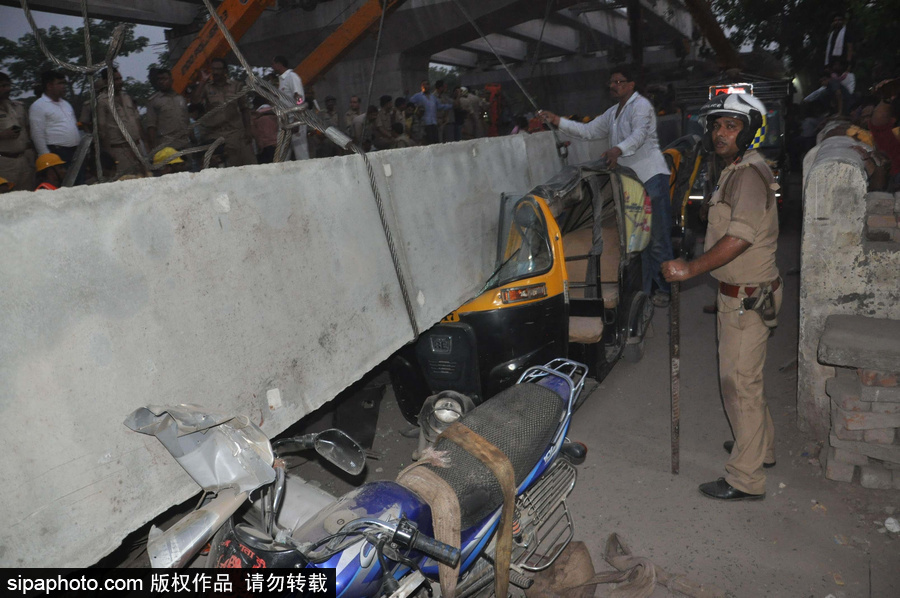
(517,294)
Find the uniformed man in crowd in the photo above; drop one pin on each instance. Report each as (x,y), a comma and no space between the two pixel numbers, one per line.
(112,141)
(740,254)
(168,121)
(384,123)
(231,122)
(330,118)
(351,114)
(16,153)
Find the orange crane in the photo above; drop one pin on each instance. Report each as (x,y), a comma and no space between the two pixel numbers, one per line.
(343,39)
(239,16)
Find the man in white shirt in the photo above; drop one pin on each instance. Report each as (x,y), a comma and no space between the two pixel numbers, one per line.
(54,128)
(630,127)
(289,82)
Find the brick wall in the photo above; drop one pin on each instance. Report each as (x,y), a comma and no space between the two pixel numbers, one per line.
(883,220)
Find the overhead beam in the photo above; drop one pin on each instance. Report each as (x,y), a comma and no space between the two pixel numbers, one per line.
(506,47)
(161,13)
(456,57)
(551,34)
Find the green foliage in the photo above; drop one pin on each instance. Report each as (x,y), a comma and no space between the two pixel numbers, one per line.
(797,30)
(24,62)
(450,76)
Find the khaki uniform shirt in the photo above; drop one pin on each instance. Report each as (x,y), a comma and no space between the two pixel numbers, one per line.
(110,135)
(12,114)
(384,123)
(228,121)
(349,116)
(743,207)
(168,114)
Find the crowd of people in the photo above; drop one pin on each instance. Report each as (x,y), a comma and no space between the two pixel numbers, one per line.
(39,144)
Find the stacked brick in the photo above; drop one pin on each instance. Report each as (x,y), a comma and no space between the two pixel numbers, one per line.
(883,218)
(865,418)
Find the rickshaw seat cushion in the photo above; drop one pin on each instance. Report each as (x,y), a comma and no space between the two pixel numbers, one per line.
(585,330)
(610,292)
(520,421)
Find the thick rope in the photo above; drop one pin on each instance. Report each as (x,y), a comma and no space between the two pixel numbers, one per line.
(284,109)
(89,80)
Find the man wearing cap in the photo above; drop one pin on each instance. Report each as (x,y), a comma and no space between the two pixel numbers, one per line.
(51,170)
(16,156)
(112,141)
(740,253)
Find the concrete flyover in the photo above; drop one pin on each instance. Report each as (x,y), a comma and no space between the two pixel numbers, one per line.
(262,291)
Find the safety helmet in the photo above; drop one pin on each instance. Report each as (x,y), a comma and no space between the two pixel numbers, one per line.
(45,161)
(163,155)
(744,107)
(5,182)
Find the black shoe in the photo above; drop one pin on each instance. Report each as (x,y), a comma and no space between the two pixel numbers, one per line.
(722,490)
(729,444)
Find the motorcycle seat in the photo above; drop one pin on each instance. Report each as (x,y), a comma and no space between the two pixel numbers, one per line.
(520,421)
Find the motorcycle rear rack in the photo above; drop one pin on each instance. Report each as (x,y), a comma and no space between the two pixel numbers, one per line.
(545,505)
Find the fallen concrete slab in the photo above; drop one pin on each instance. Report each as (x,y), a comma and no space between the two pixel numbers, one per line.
(261,291)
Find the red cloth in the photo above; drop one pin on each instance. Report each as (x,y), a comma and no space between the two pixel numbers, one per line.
(264,127)
(886,142)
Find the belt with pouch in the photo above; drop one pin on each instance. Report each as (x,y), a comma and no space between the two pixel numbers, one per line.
(734,290)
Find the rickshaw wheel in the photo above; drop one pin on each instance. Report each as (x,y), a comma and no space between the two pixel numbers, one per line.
(639,320)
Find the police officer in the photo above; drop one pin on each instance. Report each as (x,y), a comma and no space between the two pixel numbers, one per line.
(16,157)
(111,139)
(740,253)
(168,121)
(232,122)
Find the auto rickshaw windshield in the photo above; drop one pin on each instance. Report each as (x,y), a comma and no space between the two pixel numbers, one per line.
(524,245)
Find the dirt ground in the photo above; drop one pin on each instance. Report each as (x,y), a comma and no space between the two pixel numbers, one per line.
(810,537)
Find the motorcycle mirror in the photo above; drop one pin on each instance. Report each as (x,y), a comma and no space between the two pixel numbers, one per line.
(340,449)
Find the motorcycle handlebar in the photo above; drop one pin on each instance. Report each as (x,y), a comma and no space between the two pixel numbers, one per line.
(405,533)
(439,551)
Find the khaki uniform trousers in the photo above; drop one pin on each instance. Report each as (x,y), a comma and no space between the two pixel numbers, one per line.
(126,161)
(742,355)
(238,150)
(19,171)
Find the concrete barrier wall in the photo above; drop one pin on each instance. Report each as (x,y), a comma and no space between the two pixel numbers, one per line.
(215,288)
(841,272)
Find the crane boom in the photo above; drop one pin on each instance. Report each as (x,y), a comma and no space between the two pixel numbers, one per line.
(238,16)
(342,39)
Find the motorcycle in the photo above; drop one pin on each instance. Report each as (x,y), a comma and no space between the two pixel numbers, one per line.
(379,537)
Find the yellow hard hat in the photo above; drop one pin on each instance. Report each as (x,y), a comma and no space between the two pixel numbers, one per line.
(163,155)
(47,160)
(5,182)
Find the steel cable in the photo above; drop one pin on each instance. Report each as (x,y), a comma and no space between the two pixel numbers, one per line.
(282,107)
(560,147)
